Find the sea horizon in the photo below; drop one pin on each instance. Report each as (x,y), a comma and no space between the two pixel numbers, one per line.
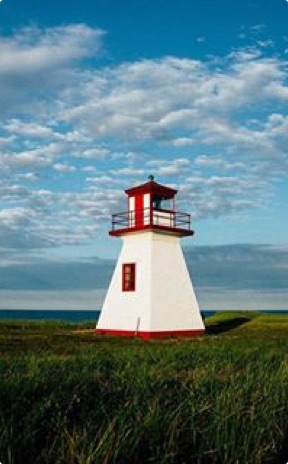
(86,315)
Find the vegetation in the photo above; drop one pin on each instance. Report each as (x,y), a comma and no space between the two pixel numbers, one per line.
(68,396)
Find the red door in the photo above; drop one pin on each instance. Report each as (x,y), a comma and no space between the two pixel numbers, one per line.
(139,211)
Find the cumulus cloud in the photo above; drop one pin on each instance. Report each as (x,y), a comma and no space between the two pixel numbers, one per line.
(35,49)
(15,216)
(186,103)
(31,130)
(29,159)
(38,59)
(217,162)
(64,167)
(93,153)
(218,129)
(129,172)
(28,176)
(52,219)
(170,168)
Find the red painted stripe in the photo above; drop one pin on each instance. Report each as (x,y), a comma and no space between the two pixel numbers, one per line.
(148,335)
(149,228)
(139,210)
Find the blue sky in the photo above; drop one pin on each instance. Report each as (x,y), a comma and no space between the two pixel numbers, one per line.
(97,95)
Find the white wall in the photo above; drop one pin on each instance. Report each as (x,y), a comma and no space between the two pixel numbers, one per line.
(121,310)
(131,211)
(164,298)
(146,205)
(173,301)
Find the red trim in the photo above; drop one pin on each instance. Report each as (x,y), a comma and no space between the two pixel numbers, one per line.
(149,335)
(128,277)
(152,187)
(139,210)
(154,228)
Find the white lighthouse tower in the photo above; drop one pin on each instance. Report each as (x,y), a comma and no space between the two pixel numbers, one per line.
(151,294)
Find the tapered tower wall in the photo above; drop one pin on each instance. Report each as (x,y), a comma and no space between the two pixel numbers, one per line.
(173,302)
(163,302)
(121,310)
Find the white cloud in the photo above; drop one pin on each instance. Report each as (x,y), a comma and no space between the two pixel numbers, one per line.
(128,172)
(93,153)
(200,39)
(265,43)
(29,159)
(183,142)
(16,216)
(257,28)
(64,167)
(101,179)
(28,176)
(33,49)
(156,100)
(277,90)
(168,168)
(76,136)
(40,60)
(181,118)
(11,191)
(215,196)
(32,130)
(132,118)
(6,140)
(37,158)
(217,162)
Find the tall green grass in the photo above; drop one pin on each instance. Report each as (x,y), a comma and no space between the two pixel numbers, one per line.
(83,399)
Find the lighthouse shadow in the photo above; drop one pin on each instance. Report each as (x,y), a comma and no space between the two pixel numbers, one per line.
(225,326)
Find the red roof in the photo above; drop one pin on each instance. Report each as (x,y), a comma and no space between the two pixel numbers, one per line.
(152,187)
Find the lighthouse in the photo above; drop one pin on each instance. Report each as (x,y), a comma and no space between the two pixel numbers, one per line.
(151,294)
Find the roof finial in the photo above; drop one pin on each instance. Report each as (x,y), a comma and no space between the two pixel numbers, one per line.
(151,177)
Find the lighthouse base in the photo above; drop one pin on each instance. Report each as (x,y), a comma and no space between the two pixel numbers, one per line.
(150,335)
(161,301)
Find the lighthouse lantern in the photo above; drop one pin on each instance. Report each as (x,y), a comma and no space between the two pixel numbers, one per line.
(151,206)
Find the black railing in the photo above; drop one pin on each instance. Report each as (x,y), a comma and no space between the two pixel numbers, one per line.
(151,217)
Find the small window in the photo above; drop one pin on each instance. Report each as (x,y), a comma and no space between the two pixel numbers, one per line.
(128,277)
(161,202)
(157,202)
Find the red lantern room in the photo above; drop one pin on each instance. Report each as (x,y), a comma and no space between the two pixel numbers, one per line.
(151,206)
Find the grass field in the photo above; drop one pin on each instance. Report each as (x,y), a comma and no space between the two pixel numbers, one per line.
(70,397)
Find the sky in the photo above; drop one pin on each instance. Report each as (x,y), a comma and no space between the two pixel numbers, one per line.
(97,95)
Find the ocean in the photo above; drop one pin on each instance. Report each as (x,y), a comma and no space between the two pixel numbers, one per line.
(49,315)
(80,316)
